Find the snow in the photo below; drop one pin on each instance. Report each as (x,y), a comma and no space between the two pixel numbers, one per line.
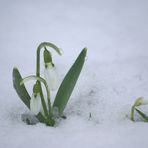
(115,72)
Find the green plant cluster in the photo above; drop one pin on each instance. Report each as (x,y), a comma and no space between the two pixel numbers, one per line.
(50,111)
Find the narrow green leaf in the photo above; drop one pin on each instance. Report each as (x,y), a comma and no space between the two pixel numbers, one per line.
(68,84)
(142,115)
(20,89)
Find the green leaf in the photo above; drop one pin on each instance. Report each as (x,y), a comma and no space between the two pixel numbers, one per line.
(20,89)
(68,84)
(142,115)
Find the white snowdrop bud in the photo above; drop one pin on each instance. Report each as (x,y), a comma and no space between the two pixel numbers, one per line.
(35,102)
(51,76)
(144,101)
(141,101)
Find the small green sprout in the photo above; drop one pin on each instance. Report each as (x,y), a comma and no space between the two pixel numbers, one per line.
(139,101)
(45,111)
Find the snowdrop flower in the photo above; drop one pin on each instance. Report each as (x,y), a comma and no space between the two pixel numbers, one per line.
(50,71)
(141,101)
(35,102)
(138,102)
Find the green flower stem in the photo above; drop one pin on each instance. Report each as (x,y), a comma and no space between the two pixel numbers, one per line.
(47,90)
(44,45)
(38,75)
(132,112)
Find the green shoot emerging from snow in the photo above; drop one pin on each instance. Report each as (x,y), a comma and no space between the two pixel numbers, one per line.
(45,111)
(139,101)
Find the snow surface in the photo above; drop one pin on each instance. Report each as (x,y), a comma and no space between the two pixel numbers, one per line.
(115,73)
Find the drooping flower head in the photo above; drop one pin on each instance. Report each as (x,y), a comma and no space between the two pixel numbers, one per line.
(141,101)
(35,102)
(50,71)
